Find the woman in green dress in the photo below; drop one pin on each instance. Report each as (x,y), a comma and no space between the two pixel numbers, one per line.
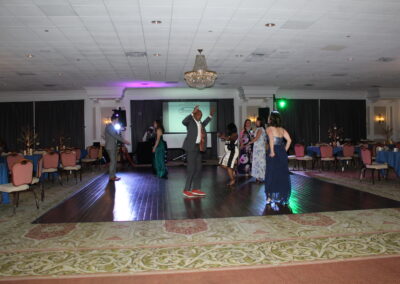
(159,151)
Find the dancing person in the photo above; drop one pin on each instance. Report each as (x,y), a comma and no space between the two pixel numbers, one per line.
(112,137)
(229,159)
(246,149)
(159,150)
(149,135)
(194,145)
(277,179)
(259,149)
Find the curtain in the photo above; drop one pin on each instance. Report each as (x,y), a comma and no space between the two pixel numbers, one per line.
(14,117)
(143,114)
(300,119)
(349,114)
(57,120)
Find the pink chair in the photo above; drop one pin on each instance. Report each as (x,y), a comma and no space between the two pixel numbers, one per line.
(299,151)
(348,154)
(93,156)
(50,164)
(21,178)
(78,155)
(68,163)
(366,157)
(37,179)
(327,156)
(12,159)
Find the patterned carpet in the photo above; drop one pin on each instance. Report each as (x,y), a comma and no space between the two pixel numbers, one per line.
(60,250)
(389,188)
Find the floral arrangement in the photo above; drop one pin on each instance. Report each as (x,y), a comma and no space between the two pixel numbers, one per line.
(335,134)
(388,131)
(28,138)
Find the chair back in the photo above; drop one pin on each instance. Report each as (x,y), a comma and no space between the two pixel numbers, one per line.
(93,153)
(366,156)
(326,151)
(374,148)
(78,153)
(12,159)
(50,160)
(348,150)
(21,173)
(299,150)
(68,159)
(39,168)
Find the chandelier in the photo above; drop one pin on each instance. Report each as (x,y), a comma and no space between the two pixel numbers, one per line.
(200,77)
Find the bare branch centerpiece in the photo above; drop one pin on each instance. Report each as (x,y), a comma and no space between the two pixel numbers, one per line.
(28,139)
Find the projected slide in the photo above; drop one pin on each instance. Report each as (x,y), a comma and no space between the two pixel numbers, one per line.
(175,112)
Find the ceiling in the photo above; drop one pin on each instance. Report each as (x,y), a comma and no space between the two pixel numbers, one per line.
(315,44)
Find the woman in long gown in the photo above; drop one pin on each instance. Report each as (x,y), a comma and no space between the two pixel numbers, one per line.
(258,162)
(277,179)
(246,149)
(159,151)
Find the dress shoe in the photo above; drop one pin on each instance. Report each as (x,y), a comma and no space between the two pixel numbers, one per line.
(198,192)
(188,194)
(115,179)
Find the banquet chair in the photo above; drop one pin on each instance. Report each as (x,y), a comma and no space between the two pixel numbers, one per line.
(12,159)
(92,157)
(348,156)
(299,151)
(78,155)
(327,156)
(68,164)
(21,178)
(366,157)
(292,158)
(50,164)
(36,180)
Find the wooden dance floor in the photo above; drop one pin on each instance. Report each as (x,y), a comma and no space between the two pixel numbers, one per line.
(139,195)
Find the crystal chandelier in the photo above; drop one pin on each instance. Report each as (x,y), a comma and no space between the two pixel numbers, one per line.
(200,77)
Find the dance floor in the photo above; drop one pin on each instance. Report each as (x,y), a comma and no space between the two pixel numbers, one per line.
(140,196)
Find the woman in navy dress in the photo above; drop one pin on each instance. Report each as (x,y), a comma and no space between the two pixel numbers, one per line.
(277,179)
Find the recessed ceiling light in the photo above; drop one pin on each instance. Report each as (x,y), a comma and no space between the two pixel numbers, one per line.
(156,22)
(29,55)
(156,54)
(270,25)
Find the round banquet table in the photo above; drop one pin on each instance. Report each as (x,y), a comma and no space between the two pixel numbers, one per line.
(3,180)
(391,158)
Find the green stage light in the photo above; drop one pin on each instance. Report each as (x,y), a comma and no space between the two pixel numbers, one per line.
(282,103)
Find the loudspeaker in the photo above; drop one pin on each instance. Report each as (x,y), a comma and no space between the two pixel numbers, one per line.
(264,113)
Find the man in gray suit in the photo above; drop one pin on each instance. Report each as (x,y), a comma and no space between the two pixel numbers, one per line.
(111,136)
(195,143)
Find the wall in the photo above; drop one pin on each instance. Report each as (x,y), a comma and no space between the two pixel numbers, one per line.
(246,99)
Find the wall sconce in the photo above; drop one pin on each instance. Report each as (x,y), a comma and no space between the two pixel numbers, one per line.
(380,118)
(252,118)
(106,120)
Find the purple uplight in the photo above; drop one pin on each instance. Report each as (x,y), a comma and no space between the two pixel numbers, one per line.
(148,84)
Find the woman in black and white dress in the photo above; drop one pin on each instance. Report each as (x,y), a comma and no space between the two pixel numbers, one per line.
(229,159)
